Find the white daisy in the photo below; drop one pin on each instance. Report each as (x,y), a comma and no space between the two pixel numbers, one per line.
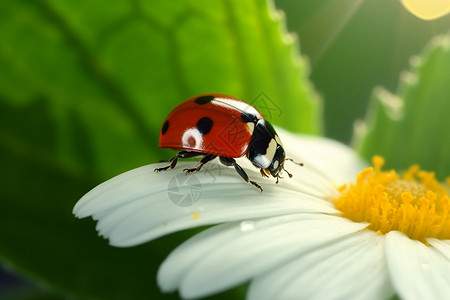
(315,236)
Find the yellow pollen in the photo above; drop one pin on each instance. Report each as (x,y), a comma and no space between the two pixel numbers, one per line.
(413,202)
(196,216)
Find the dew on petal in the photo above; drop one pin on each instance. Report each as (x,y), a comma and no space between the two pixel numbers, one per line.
(425,267)
(247,226)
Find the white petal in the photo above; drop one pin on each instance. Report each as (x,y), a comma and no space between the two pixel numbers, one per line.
(227,255)
(328,162)
(138,206)
(417,271)
(135,207)
(442,245)
(351,268)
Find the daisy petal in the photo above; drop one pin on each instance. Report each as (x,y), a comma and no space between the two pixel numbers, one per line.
(442,245)
(417,271)
(351,268)
(227,255)
(329,170)
(136,206)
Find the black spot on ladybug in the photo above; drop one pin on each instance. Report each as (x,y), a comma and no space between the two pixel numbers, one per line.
(165,127)
(204,125)
(204,99)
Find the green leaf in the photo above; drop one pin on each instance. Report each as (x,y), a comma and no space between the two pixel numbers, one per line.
(84,88)
(412,126)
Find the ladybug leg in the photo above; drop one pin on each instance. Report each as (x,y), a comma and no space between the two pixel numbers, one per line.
(174,160)
(204,160)
(228,161)
(263,173)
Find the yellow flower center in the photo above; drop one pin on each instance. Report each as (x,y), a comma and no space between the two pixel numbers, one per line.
(414,202)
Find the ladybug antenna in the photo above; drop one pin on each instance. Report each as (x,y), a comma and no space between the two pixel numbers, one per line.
(290,175)
(297,163)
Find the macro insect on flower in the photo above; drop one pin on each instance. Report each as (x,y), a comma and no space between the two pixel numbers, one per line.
(322,235)
(216,125)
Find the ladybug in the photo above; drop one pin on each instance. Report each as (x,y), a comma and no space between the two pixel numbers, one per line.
(217,125)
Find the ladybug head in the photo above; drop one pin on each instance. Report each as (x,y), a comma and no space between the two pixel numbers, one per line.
(277,163)
(266,150)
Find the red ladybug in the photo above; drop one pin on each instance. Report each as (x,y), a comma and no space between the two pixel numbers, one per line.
(212,125)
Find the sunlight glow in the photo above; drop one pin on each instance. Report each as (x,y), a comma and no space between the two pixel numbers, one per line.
(427,10)
(338,14)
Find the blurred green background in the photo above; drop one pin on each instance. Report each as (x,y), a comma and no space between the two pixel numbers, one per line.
(85,85)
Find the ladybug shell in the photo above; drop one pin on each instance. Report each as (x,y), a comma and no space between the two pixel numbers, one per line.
(212,123)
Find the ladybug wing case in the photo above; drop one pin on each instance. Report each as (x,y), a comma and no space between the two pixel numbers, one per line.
(203,124)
